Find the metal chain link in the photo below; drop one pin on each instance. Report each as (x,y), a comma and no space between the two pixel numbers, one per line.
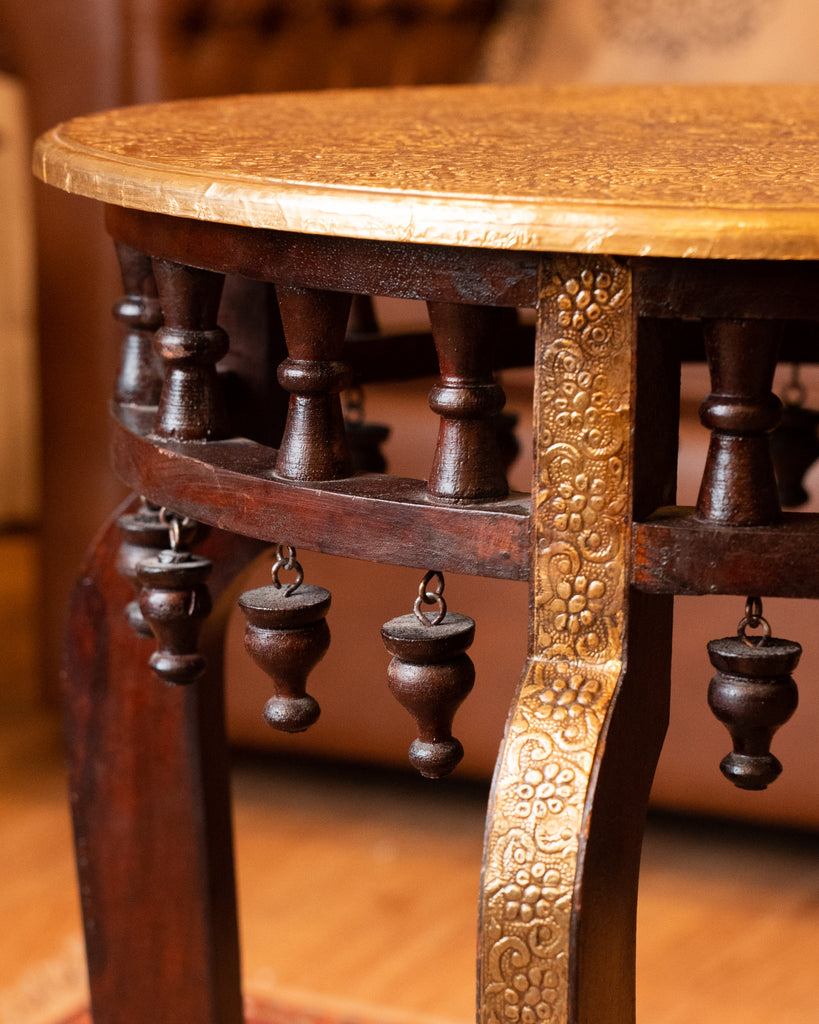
(180,528)
(432,598)
(287,563)
(753,619)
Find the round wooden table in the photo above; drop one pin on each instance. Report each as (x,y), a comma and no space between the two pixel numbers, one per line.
(616,213)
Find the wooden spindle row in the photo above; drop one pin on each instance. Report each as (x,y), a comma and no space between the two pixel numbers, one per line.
(738,484)
(467,466)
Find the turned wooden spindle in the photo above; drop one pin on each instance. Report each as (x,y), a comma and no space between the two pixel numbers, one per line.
(190,343)
(139,378)
(430,675)
(314,445)
(752,694)
(287,635)
(738,484)
(175,601)
(468,464)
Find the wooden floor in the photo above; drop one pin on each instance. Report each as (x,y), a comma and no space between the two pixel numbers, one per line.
(365,888)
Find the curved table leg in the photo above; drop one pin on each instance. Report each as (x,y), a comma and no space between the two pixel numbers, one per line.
(562,851)
(149,794)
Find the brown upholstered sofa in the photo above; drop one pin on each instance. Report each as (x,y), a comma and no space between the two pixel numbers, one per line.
(83,56)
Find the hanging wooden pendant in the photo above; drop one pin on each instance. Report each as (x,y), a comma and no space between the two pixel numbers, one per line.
(143,536)
(287,636)
(175,601)
(753,694)
(430,675)
(145,532)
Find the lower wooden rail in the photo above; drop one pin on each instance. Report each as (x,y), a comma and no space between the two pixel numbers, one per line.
(231,485)
(676,553)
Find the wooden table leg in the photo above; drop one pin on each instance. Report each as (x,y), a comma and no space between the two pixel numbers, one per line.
(149,794)
(562,852)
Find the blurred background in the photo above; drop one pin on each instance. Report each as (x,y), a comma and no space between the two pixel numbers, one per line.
(59,344)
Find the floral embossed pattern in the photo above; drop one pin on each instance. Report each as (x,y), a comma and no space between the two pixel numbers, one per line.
(723,171)
(581,500)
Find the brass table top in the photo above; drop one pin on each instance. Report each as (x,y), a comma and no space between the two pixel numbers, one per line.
(692,171)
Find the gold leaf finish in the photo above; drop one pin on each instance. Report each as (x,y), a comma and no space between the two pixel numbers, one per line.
(722,172)
(582,408)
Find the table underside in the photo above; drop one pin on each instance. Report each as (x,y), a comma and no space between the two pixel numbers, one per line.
(376,517)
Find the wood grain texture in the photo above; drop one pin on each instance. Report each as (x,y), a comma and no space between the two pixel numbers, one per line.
(202,481)
(675,553)
(717,172)
(150,805)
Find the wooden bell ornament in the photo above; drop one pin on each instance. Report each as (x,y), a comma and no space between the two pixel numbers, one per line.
(143,536)
(430,675)
(287,636)
(174,601)
(145,533)
(753,694)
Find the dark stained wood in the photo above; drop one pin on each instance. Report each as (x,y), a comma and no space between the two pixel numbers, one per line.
(716,289)
(441,272)
(430,675)
(314,445)
(674,553)
(657,413)
(287,636)
(738,483)
(467,465)
(175,601)
(149,797)
(604,910)
(203,481)
(752,694)
(800,341)
(664,288)
(139,378)
(143,536)
(191,407)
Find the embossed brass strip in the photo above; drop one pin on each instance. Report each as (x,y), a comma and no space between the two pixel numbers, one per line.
(582,502)
(722,172)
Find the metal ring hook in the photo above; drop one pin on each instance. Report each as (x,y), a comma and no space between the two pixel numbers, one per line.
(288,563)
(175,524)
(753,619)
(431,597)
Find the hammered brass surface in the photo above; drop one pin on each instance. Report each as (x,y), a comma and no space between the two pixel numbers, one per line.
(581,496)
(722,172)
